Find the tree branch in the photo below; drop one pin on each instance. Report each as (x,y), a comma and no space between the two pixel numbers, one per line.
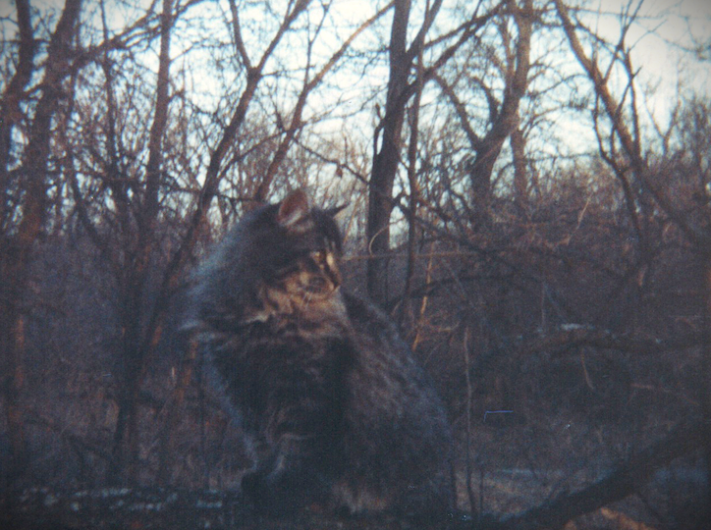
(626,479)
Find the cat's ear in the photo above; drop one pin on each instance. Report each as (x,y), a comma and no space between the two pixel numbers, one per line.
(293,209)
(333,212)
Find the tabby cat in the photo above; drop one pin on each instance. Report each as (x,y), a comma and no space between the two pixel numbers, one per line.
(339,413)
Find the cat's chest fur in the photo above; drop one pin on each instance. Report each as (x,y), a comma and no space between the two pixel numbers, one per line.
(279,361)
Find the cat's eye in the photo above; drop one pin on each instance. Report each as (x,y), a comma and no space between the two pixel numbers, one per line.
(320,256)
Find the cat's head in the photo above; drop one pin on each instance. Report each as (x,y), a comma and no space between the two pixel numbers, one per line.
(293,251)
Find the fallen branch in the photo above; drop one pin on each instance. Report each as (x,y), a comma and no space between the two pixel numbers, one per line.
(573,336)
(622,482)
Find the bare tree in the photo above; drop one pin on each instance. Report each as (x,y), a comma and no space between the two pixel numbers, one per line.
(264,187)
(623,150)
(142,312)
(25,189)
(504,115)
(388,134)
(310,82)
(138,343)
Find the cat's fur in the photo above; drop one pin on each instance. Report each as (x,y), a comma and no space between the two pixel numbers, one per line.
(340,412)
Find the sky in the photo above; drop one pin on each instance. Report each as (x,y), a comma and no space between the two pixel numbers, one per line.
(672,22)
(662,26)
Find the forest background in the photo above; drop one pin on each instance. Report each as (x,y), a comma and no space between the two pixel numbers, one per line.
(529,197)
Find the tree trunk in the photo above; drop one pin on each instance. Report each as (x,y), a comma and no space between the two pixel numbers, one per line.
(13,96)
(387,158)
(138,339)
(518,150)
(506,120)
(174,406)
(17,246)
(705,390)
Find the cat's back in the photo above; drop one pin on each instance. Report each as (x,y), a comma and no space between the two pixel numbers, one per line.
(397,428)
(383,352)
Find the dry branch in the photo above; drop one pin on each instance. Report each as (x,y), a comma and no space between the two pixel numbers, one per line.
(628,478)
(574,336)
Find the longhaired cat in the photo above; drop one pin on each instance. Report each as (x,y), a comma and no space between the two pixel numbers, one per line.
(338,411)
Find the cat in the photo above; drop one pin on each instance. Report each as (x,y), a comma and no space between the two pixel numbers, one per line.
(339,412)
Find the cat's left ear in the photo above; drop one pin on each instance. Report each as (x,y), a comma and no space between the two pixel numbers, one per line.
(294,209)
(333,212)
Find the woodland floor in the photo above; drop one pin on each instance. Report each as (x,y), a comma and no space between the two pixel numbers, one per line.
(173,509)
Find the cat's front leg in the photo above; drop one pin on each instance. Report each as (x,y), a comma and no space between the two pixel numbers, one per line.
(286,481)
